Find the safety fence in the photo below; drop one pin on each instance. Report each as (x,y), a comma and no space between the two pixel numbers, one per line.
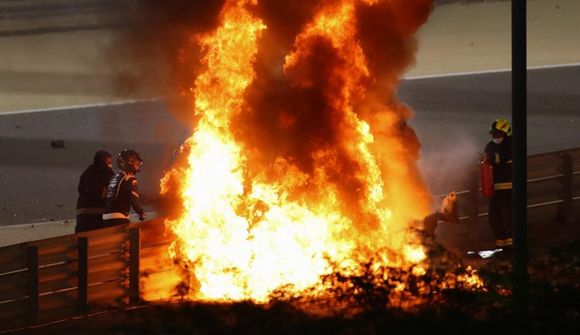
(75,275)
(72,276)
(553,193)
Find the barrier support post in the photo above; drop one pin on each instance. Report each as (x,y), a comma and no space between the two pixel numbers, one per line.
(567,210)
(134,256)
(83,273)
(32,261)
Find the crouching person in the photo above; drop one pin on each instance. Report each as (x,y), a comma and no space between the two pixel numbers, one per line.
(122,192)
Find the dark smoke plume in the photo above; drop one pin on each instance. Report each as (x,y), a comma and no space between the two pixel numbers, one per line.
(155,55)
(291,115)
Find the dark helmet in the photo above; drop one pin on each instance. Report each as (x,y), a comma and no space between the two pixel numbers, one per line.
(129,161)
(101,156)
(502,125)
(102,159)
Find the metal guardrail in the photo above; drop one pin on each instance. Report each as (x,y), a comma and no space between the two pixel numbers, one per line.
(553,185)
(77,274)
(81,274)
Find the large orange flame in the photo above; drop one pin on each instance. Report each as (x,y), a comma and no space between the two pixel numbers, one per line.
(255,222)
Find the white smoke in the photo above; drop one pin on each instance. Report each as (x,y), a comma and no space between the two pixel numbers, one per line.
(447,166)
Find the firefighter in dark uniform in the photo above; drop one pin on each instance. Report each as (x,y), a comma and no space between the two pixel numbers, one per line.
(92,190)
(122,193)
(498,153)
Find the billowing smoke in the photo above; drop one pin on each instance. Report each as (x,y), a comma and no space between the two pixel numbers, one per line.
(155,55)
(297,111)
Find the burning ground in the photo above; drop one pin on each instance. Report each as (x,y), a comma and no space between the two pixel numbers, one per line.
(553,308)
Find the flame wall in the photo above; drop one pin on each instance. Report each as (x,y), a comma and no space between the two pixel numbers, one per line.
(302,162)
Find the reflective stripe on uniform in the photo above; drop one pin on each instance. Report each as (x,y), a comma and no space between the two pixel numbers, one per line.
(90,210)
(502,186)
(504,243)
(115,215)
(509,162)
(135,194)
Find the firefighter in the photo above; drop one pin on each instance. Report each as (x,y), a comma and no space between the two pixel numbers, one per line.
(122,192)
(92,190)
(498,153)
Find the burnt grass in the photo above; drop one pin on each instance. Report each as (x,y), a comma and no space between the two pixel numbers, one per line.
(370,305)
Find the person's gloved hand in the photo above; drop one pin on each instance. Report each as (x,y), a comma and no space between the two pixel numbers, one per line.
(142,216)
(483,157)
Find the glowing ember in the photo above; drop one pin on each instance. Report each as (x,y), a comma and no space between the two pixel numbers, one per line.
(277,205)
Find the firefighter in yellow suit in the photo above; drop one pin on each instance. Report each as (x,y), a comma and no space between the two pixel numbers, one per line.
(498,152)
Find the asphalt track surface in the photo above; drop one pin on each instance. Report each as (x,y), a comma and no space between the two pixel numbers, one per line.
(43,153)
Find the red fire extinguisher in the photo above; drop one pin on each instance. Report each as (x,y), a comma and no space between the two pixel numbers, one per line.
(486,172)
